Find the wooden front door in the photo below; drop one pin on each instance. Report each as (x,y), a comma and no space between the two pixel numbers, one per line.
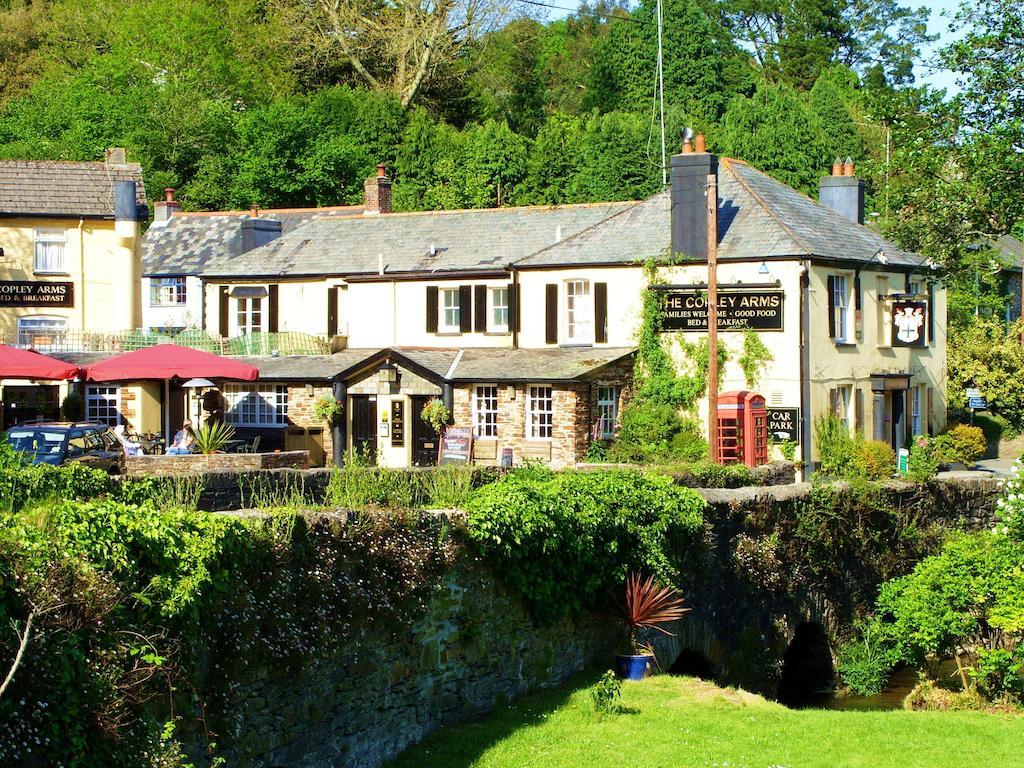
(424,438)
(364,427)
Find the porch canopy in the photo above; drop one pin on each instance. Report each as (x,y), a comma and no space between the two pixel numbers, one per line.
(169,361)
(29,364)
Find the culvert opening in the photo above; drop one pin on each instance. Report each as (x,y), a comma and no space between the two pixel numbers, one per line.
(808,677)
(693,663)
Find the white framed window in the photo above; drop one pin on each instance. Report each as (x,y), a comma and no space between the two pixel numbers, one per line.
(883,317)
(249,315)
(579,311)
(167,291)
(499,309)
(102,404)
(916,412)
(256,405)
(540,412)
(450,320)
(42,332)
(607,410)
(839,402)
(485,410)
(841,307)
(49,250)
(916,288)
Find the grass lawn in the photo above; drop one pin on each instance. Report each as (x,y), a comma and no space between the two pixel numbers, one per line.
(678,722)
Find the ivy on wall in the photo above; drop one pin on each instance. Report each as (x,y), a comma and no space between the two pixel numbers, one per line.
(755,358)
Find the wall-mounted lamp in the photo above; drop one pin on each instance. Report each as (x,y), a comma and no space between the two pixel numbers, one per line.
(763,269)
(387,373)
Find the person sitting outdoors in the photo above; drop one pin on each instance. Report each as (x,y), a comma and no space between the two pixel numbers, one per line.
(130,448)
(183,441)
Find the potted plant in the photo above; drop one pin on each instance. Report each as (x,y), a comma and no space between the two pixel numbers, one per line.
(329,409)
(648,605)
(436,414)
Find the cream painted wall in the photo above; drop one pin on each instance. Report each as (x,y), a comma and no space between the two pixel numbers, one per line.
(103,264)
(188,315)
(409,384)
(835,365)
(397,314)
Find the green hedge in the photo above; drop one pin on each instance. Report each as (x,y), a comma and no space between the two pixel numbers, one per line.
(565,541)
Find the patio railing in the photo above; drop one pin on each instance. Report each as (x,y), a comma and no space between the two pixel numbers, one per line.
(253,344)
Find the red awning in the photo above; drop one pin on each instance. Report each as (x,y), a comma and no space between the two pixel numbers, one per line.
(28,364)
(169,361)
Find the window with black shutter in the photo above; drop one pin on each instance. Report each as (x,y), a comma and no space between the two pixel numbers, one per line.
(272,310)
(431,309)
(480,308)
(832,306)
(223,311)
(551,313)
(600,312)
(332,310)
(513,307)
(465,308)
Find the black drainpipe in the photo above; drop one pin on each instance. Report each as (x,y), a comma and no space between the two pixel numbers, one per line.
(338,431)
(516,304)
(805,367)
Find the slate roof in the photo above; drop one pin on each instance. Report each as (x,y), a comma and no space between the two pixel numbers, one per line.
(515,365)
(63,188)
(759,218)
(463,240)
(499,365)
(185,243)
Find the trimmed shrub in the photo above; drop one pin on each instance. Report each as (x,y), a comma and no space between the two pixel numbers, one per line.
(874,459)
(961,444)
(566,541)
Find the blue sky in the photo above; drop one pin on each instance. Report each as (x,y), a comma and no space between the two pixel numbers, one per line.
(938,24)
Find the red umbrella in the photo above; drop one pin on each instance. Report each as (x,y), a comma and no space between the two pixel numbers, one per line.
(169,361)
(29,364)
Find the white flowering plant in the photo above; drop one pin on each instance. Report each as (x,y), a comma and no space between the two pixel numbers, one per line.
(1010,506)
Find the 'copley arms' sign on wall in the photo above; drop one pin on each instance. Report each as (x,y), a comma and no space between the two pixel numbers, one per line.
(29,293)
(687,310)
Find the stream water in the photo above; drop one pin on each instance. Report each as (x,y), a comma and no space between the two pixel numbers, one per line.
(901,682)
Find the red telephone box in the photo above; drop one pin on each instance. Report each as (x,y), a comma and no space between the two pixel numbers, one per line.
(742,429)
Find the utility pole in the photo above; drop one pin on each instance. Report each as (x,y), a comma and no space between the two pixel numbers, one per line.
(712,209)
(661,99)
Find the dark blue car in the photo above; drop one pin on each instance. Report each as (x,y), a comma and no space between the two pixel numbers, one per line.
(94,445)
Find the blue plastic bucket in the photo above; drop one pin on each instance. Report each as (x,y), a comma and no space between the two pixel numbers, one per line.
(634,667)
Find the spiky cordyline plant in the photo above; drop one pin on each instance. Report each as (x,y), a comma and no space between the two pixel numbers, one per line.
(649,605)
(213,436)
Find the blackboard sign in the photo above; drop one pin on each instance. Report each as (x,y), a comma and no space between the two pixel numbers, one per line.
(33,293)
(456,446)
(687,310)
(397,423)
(506,458)
(908,323)
(784,424)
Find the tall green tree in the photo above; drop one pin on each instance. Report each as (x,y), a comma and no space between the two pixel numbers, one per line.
(794,40)
(695,56)
(777,131)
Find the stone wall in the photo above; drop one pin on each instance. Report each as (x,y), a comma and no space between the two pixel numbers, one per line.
(475,646)
(301,401)
(473,650)
(574,417)
(200,464)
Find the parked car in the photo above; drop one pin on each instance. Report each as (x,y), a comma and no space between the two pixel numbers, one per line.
(52,442)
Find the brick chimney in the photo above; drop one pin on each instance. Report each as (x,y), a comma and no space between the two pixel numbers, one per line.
(164,209)
(378,193)
(843,192)
(690,169)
